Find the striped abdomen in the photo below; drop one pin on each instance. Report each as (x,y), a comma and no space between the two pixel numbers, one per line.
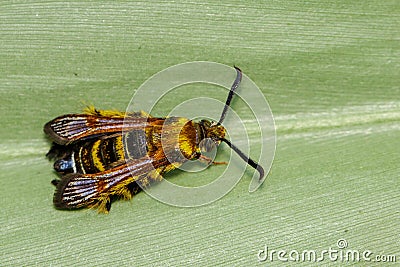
(102,154)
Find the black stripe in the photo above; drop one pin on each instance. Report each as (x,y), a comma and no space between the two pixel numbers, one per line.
(87,158)
(107,151)
(135,144)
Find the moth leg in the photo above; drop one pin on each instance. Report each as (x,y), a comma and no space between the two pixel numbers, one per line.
(103,205)
(108,205)
(209,161)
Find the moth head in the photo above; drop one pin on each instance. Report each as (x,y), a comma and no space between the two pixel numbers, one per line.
(211,135)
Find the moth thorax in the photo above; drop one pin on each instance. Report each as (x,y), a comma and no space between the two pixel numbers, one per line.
(187,140)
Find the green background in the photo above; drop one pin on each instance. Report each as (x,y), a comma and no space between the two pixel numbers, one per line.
(329,70)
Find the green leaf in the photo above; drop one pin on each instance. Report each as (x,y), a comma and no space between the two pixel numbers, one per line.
(329,70)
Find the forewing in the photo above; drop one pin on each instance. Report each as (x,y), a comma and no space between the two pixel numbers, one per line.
(70,128)
(94,190)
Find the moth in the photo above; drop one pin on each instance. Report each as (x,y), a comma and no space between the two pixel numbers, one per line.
(102,155)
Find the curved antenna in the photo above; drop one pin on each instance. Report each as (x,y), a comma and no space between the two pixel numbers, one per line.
(234,86)
(249,161)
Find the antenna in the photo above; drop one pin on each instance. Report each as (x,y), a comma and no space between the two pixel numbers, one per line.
(234,86)
(249,161)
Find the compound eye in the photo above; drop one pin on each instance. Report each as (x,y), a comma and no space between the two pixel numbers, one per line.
(207,145)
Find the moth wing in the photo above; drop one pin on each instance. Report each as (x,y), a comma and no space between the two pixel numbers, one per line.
(70,128)
(94,190)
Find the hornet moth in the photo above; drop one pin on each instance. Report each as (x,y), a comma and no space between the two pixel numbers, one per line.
(102,155)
